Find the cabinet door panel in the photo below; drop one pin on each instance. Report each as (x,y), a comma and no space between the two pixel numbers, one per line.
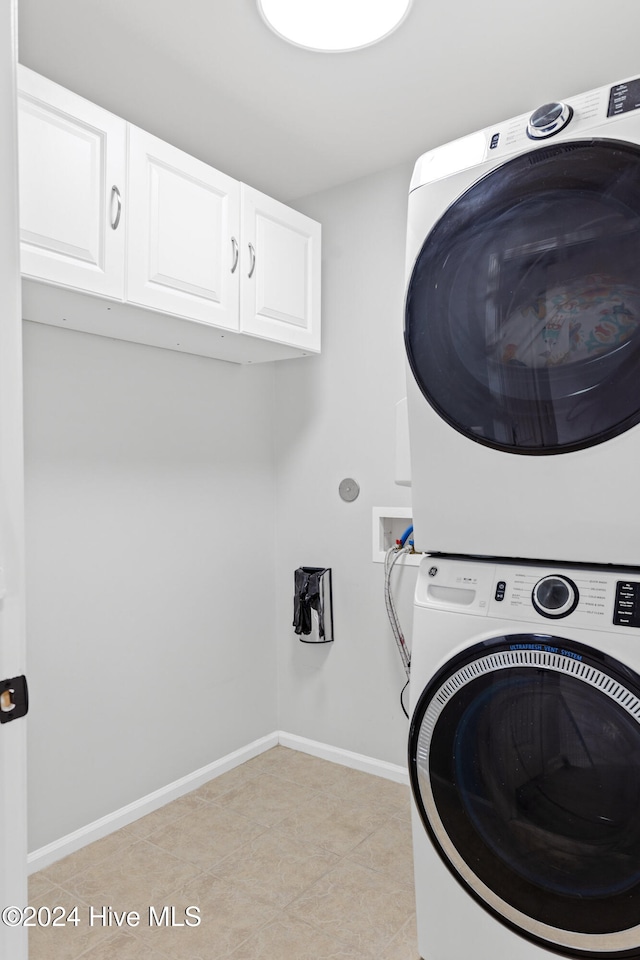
(182,217)
(285,251)
(280,293)
(72,154)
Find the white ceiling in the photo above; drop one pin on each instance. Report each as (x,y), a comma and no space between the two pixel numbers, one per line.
(208,76)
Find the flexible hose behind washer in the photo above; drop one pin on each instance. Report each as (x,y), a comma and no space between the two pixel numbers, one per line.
(392,556)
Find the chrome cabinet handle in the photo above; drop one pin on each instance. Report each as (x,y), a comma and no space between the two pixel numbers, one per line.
(253,260)
(236,251)
(115,193)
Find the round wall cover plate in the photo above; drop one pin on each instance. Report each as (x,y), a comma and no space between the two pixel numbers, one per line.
(348,489)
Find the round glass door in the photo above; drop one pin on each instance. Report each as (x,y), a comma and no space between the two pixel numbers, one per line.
(522,322)
(524,757)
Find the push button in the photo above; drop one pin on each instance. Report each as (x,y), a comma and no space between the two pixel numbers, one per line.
(501,586)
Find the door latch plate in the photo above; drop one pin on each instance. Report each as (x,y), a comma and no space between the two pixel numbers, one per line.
(14,699)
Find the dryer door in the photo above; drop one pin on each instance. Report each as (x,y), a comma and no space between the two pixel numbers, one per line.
(524,758)
(522,319)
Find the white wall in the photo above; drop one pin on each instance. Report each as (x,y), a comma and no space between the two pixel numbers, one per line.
(170,498)
(335,418)
(150,526)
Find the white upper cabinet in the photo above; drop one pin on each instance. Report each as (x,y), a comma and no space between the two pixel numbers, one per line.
(136,240)
(72,186)
(182,234)
(280,272)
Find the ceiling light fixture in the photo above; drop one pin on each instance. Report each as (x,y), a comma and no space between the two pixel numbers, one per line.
(333,26)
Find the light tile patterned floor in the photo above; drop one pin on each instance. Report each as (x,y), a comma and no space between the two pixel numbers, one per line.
(287,857)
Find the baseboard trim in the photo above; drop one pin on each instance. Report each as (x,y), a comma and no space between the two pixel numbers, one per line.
(45,856)
(358,761)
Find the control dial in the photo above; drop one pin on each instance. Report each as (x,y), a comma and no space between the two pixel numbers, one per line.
(548,120)
(555,596)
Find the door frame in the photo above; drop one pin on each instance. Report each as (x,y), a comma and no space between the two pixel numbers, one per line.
(13,792)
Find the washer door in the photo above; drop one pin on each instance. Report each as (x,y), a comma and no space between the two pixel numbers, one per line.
(522,323)
(524,757)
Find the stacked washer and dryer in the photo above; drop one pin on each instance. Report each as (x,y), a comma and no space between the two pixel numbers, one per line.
(522,331)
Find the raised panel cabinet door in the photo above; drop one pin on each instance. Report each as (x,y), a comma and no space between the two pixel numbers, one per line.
(182,234)
(72,162)
(280,272)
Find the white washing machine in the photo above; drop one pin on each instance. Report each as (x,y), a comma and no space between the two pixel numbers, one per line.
(522,329)
(524,758)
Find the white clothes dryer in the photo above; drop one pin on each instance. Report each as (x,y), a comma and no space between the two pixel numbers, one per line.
(524,759)
(522,330)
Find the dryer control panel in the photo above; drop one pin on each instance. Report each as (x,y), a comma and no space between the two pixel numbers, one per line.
(592,599)
(624,97)
(586,115)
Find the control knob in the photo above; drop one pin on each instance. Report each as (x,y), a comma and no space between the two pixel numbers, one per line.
(555,596)
(548,120)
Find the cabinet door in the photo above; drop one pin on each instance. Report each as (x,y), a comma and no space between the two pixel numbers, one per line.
(182,234)
(72,176)
(280,280)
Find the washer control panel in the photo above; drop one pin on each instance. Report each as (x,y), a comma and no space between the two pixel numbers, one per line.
(590,598)
(627,607)
(555,596)
(584,595)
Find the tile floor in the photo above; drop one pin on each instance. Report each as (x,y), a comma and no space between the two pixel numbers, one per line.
(287,857)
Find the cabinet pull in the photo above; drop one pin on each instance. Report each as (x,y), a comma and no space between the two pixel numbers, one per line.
(253,260)
(115,193)
(234,247)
